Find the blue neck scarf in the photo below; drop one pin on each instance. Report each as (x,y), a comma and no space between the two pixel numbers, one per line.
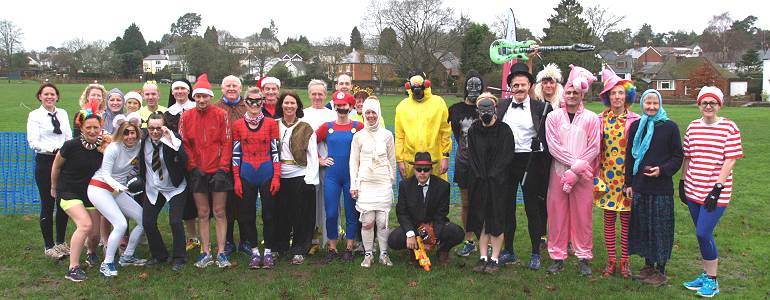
(238,100)
(646,128)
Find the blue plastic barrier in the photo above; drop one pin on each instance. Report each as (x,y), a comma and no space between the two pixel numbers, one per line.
(18,191)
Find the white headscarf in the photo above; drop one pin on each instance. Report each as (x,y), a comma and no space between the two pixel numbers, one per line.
(373,105)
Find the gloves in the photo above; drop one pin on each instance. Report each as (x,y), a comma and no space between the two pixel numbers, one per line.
(711,199)
(568,181)
(581,167)
(275,185)
(682,195)
(238,187)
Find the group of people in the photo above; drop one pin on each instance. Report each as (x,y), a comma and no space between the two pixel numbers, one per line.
(129,156)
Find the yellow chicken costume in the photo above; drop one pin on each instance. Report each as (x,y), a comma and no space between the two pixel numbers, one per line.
(422,126)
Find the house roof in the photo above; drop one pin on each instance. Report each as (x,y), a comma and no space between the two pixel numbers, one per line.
(355,57)
(299,65)
(635,52)
(608,55)
(680,68)
(156,57)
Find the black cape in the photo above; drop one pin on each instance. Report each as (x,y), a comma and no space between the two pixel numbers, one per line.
(491,156)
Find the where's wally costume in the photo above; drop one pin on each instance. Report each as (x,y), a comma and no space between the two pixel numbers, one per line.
(573,140)
(338,138)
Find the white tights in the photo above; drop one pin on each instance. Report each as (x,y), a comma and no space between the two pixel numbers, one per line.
(116,209)
(370,219)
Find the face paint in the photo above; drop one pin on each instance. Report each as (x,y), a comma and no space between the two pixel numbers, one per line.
(473,88)
(486,110)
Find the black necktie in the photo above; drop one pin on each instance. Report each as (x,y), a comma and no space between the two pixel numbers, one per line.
(55,123)
(421,193)
(156,160)
(514,104)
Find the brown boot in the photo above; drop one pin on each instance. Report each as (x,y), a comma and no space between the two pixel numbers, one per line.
(625,268)
(644,273)
(610,268)
(443,258)
(656,279)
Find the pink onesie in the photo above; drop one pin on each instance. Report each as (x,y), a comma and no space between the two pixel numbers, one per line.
(569,214)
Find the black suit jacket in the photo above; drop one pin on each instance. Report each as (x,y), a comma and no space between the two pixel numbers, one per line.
(175,161)
(538,119)
(411,212)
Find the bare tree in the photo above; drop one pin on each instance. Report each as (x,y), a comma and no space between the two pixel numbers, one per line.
(716,36)
(10,40)
(331,51)
(421,28)
(601,20)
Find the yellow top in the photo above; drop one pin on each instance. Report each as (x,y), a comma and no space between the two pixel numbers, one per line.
(422,127)
(145,112)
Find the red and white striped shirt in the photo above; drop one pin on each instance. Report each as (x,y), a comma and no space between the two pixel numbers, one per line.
(707,146)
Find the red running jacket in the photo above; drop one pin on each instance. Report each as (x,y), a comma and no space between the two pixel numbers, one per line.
(206,139)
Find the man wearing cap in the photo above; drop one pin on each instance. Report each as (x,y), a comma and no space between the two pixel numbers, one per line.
(421,126)
(151,96)
(338,136)
(205,133)
(424,199)
(525,117)
(232,103)
(573,135)
(270,88)
(491,186)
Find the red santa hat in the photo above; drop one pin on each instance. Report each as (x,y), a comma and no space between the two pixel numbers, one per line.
(202,86)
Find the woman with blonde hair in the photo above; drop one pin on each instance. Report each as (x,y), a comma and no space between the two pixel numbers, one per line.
(108,191)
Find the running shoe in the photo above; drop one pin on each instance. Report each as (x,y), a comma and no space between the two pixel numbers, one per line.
(584,266)
(255,262)
(108,270)
(556,267)
(534,262)
(204,260)
(508,258)
(268,262)
(347,256)
(367,262)
(92,260)
(710,288)
(53,253)
(130,260)
(76,274)
(245,248)
(467,248)
(297,260)
(222,261)
(330,256)
(492,267)
(63,248)
(229,248)
(481,265)
(697,283)
(385,260)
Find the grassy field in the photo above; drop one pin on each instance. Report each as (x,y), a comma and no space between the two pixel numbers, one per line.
(743,238)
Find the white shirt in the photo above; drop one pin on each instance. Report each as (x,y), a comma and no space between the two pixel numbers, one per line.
(317,117)
(119,164)
(424,188)
(40,135)
(152,183)
(520,121)
(290,171)
(179,108)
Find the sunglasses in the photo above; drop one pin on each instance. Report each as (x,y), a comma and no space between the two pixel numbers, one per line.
(254,101)
(127,131)
(152,129)
(423,169)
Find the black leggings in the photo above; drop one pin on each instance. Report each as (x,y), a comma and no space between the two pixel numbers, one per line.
(534,191)
(43,165)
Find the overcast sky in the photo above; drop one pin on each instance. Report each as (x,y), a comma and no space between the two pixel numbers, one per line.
(50,23)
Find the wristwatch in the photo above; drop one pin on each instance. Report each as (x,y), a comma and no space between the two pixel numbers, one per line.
(719,186)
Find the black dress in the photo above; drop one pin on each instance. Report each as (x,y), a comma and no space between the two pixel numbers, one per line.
(491,155)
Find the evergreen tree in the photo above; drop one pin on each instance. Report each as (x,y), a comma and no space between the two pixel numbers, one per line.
(355,39)
(475,49)
(388,44)
(644,37)
(211,35)
(567,27)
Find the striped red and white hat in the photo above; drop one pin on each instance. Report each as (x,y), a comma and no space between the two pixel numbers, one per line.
(711,91)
